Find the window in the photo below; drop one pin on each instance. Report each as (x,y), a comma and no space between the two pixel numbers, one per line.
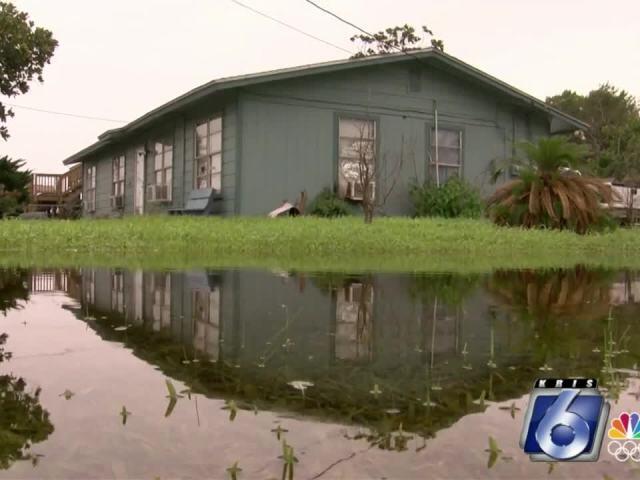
(161,300)
(163,163)
(354,322)
(206,317)
(209,154)
(90,292)
(117,175)
(90,200)
(356,149)
(117,292)
(449,154)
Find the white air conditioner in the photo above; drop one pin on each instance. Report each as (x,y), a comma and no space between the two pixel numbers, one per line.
(159,193)
(117,202)
(355,191)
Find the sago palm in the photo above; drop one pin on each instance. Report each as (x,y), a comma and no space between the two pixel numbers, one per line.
(549,192)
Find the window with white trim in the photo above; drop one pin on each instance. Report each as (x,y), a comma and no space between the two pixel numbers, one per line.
(117,175)
(356,149)
(90,191)
(209,154)
(449,154)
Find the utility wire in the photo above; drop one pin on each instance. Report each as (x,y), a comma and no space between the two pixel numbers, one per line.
(360,29)
(66,114)
(338,17)
(295,29)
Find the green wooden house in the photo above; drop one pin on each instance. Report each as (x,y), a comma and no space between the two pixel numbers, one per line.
(242,145)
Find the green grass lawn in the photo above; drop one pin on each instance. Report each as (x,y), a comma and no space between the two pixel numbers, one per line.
(308,243)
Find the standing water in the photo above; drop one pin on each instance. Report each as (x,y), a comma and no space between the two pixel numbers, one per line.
(110,373)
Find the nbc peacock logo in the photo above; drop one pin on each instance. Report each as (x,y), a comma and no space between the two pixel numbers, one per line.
(625,437)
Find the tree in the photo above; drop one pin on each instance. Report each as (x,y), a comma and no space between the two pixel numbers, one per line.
(24,51)
(549,191)
(392,40)
(14,186)
(614,129)
(372,181)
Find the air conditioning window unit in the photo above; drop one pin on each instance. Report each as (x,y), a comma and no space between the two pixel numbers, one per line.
(117,202)
(355,191)
(159,193)
(353,293)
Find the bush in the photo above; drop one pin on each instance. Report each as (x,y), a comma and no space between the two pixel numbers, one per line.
(327,204)
(456,198)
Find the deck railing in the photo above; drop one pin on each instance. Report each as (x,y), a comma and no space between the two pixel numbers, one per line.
(56,183)
(44,183)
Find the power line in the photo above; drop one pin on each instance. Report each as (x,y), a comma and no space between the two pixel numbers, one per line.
(338,17)
(351,24)
(295,29)
(66,114)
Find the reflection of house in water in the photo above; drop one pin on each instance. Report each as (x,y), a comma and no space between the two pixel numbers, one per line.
(625,291)
(55,281)
(117,291)
(160,290)
(206,317)
(354,322)
(185,305)
(255,317)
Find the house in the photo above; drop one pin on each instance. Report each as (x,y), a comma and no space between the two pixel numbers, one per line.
(259,139)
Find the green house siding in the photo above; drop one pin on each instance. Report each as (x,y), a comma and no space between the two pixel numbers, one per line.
(180,130)
(289,130)
(280,131)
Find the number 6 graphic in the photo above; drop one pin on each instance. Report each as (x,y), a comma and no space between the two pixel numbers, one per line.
(557,415)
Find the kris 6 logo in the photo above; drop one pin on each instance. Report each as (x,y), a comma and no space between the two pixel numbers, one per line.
(565,421)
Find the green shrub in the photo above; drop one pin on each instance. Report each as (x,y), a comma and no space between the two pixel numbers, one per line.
(327,204)
(456,198)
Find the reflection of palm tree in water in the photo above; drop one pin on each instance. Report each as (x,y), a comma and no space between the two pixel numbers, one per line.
(576,293)
(565,310)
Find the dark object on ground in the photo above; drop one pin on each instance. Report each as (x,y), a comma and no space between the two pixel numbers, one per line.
(206,201)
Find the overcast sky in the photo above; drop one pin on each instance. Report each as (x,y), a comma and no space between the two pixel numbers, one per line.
(117,59)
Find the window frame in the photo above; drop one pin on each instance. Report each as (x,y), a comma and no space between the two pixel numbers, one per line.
(160,289)
(203,325)
(167,144)
(118,182)
(430,147)
(90,191)
(209,154)
(117,291)
(357,116)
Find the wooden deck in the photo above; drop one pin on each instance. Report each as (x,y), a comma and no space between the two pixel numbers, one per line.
(52,191)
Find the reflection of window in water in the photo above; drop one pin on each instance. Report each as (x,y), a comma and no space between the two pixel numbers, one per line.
(627,292)
(206,320)
(117,292)
(354,323)
(161,300)
(90,291)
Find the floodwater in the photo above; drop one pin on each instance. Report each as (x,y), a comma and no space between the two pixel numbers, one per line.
(138,374)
